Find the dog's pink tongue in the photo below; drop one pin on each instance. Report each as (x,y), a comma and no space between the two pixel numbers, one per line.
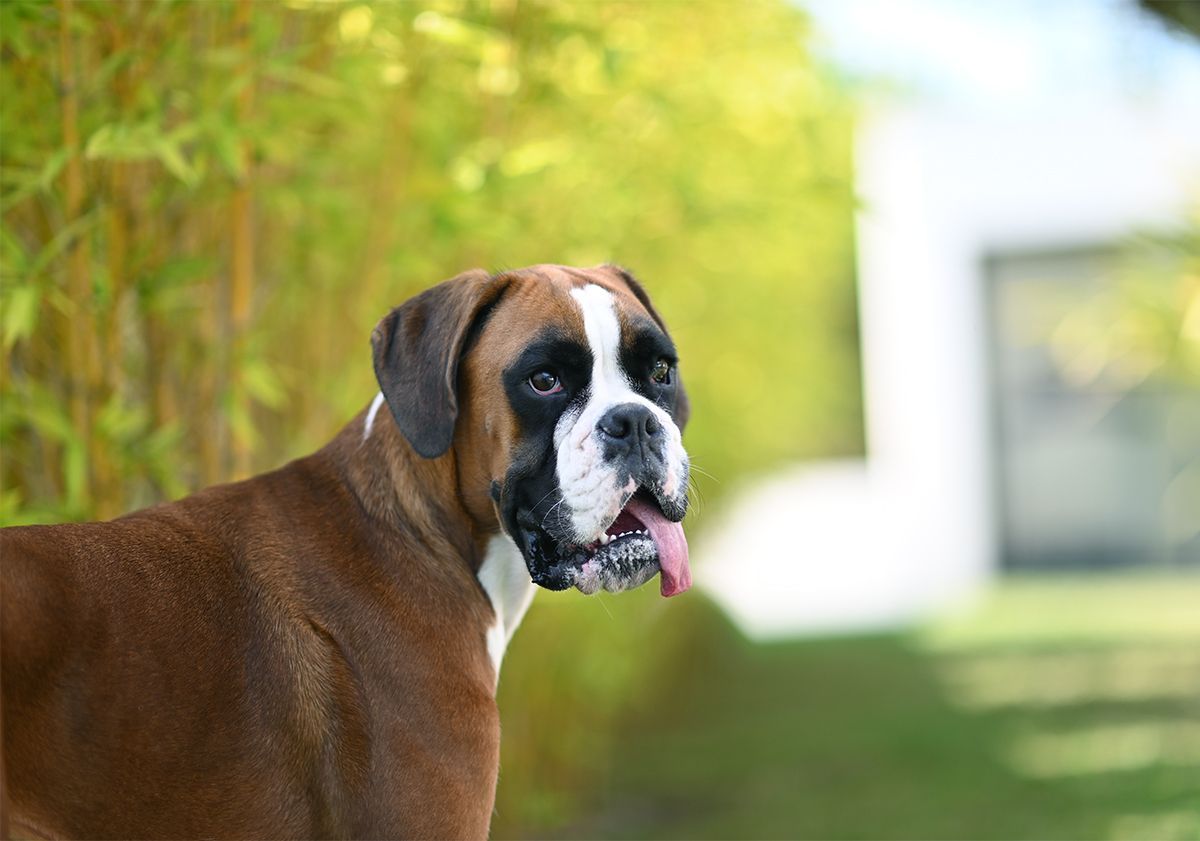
(671,544)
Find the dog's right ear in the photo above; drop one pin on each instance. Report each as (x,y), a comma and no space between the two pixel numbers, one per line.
(416,349)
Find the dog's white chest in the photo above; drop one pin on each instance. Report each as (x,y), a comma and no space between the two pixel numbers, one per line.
(505,579)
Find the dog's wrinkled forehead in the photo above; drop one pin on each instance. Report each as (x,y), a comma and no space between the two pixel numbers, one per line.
(550,295)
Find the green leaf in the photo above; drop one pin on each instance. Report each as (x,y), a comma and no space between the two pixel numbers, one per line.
(172,158)
(306,81)
(262,384)
(120,142)
(20,314)
(241,425)
(225,144)
(75,473)
(10,505)
(119,421)
(143,141)
(48,417)
(27,181)
(58,244)
(450,30)
(51,169)
(13,257)
(156,288)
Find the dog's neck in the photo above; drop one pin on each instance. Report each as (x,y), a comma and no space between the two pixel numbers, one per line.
(402,490)
(382,471)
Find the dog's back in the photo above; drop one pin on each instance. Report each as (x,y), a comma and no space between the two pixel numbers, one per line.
(200,661)
(135,654)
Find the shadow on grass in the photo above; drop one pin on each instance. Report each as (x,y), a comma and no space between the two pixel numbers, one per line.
(876,738)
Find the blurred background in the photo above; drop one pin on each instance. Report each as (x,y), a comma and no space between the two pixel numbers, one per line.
(934,271)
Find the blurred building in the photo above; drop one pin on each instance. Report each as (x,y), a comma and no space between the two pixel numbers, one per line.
(998,190)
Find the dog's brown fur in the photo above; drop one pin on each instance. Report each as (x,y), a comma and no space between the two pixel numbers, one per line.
(148,662)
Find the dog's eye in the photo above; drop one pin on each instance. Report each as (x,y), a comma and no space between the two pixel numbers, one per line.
(545,382)
(661,372)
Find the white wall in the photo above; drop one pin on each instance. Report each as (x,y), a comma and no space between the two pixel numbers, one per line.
(845,546)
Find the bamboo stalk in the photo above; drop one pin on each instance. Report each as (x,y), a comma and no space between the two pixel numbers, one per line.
(203,231)
(80,341)
(118,218)
(241,273)
(110,485)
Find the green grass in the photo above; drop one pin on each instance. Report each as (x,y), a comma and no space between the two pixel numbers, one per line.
(1056,709)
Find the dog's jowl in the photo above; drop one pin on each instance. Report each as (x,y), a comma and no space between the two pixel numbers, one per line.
(314,652)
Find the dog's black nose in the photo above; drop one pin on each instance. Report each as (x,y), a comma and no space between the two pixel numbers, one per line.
(628,427)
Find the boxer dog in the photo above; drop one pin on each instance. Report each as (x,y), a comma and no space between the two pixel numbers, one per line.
(314,652)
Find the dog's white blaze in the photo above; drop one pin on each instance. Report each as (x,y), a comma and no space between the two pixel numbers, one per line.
(505,579)
(603,333)
(370,421)
(589,486)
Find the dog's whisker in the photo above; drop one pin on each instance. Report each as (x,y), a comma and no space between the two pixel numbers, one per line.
(695,494)
(603,605)
(551,511)
(544,497)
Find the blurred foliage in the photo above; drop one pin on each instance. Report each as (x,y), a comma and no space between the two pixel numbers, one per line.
(1136,333)
(207,206)
(1180,14)
(1143,330)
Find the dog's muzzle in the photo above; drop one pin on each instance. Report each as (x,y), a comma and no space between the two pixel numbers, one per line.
(619,522)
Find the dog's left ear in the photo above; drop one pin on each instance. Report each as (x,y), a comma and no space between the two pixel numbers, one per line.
(417,347)
(683,406)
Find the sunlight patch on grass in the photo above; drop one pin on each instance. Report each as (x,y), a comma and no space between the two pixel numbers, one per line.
(1042,610)
(1163,826)
(1101,749)
(1061,678)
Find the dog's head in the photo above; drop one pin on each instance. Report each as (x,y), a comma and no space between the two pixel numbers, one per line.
(556,391)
